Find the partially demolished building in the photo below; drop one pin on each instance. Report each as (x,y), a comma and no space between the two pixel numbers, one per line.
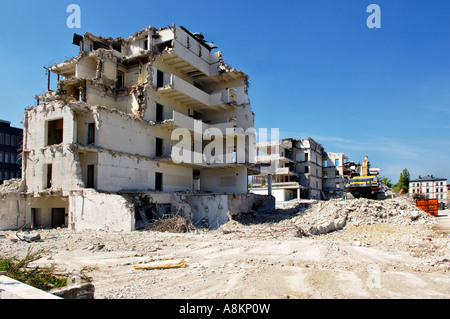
(301,169)
(335,175)
(284,180)
(98,150)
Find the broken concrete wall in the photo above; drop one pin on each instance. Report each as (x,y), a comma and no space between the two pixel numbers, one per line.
(202,210)
(224,180)
(333,175)
(93,210)
(12,211)
(209,211)
(50,130)
(119,172)
(124,134)
(54,166)
(89,209)
(83,121)
(117,131)
(214,210)
(47,211)
(20,209)
(78,210)
(97,95)
(37,120)
(86,67)
(309,166)
(243,203)
(168,104)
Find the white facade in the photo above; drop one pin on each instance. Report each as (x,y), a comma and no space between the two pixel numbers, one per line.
(129,96)
(308,155)
(333,174)
(284,179)
(300,169)
(430,187)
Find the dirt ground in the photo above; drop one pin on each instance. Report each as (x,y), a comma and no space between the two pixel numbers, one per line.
(256,260)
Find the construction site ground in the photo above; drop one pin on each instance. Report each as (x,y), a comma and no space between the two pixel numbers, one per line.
(272,255)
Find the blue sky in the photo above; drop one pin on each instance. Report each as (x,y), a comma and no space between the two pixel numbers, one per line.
(316,69)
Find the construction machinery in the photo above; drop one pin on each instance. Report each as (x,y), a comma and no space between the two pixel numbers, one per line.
(365,184)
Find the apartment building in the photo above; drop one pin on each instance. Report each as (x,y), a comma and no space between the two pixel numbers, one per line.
(308,156)
(10,151)
(115,122)
(284,181)
(334,174)
(300,168)
(430,186)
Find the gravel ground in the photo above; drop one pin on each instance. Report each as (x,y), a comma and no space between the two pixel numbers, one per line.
(333,249)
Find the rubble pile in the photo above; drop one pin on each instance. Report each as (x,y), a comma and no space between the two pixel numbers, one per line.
(334,214)
(397,211)
(10,186)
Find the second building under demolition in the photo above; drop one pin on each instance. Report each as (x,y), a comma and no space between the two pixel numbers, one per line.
(301,168)
(97,150)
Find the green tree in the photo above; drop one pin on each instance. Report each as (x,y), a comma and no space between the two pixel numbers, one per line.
(403,182)
(387,181)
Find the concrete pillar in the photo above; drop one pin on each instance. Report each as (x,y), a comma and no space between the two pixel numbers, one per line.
(269,184)
(298,193)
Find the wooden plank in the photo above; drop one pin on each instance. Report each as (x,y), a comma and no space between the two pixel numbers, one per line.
(162,265)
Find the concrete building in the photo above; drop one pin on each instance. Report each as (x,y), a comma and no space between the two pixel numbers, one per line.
(308,156)
(430,187)
(301,169)
(334,172)
(111,132)
(10,151)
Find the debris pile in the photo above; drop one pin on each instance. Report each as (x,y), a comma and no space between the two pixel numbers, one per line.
(309,218)
(397,211)
(173,224)
(334,214)
(11,186)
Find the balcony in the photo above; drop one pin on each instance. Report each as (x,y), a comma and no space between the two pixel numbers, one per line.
(199,160)
(269,158)
(192,124)
(66,68)
(276,185)
(186,61)
(183,92)
(284,171)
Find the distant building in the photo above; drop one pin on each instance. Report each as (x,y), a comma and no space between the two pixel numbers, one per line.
(300,169)
(333,174)
(285,183)
(10,151)
(430,186)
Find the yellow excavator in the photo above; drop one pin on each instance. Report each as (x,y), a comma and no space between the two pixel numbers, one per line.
(365,185)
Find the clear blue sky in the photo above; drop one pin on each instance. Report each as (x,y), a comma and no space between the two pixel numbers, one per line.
(316,69)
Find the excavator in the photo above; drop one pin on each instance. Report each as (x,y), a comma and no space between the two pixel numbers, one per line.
(365,185)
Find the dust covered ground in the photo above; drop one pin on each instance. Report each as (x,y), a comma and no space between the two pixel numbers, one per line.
(310,249)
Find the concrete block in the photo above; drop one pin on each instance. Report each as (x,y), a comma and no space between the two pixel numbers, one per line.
(79,291)
(13,289)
